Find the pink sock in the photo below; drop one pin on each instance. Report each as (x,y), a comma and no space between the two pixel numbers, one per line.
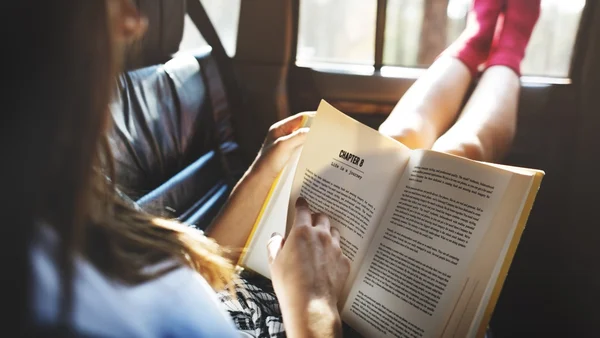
(473,46)
(519,20)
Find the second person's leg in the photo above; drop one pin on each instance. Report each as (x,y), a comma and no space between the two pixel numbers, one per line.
(431,104)
(486,127)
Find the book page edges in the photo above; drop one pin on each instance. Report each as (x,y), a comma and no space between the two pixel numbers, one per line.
(259,218)
(537,180)
(261,213)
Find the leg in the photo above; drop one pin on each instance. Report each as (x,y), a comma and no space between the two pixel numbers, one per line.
(486,127)
(429,107)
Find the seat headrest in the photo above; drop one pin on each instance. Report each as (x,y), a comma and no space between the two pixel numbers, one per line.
(164,34)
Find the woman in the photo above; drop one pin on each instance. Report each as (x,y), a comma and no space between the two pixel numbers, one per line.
(495,39)
(92,264)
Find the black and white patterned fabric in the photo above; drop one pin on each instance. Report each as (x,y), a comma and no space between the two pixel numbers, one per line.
(254,309)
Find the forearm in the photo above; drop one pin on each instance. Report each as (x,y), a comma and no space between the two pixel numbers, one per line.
(234,223)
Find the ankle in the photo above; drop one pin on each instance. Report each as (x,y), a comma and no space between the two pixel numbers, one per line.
(518,24)
(474,44)
(506,58)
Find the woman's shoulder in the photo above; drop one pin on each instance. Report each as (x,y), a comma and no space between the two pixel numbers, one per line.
(179,304)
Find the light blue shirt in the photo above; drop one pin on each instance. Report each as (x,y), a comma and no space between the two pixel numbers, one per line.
(178,304)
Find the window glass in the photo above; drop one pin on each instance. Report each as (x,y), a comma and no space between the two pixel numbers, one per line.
(413,33)
(551,46)
(417,31)
(192,38)
(224,15)
(337,31)
(404,19)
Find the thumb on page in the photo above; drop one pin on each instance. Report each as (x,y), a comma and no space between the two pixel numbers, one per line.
(273,246)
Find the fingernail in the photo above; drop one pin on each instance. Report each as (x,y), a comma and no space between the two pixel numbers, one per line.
(301,201)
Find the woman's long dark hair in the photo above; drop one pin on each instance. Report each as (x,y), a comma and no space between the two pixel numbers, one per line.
(57,86)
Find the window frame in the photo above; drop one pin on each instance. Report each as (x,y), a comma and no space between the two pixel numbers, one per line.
(379,70)
(380,33)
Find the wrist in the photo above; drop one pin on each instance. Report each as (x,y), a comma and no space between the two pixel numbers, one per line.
(318,318)
(324,315)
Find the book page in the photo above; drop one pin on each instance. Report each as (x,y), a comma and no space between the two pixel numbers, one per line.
(416,267)
(348,171)
(484,268)
(530,185)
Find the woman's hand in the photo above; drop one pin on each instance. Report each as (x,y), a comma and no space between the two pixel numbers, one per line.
(283,139)
(308,274)
(234,223)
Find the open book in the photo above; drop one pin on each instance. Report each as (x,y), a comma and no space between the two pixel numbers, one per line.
(430,235)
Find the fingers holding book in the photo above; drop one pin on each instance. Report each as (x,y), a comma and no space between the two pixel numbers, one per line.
(288,126)
(281,142)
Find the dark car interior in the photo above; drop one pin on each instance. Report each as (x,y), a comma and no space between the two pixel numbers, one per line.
(188,121)
(173,137)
